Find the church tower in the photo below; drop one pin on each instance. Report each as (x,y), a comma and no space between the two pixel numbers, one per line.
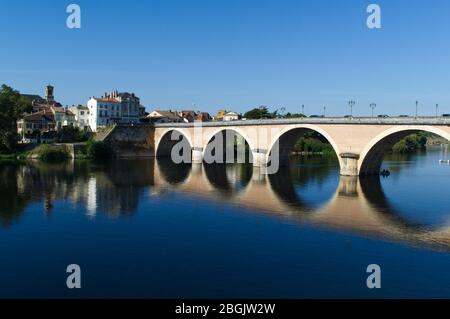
(49,93)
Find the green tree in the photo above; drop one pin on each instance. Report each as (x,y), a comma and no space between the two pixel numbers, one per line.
(294,115)
(12,105)
(261,112)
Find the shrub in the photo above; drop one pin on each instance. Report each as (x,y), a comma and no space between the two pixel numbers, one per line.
(49,153)
(97,150)
(69,134)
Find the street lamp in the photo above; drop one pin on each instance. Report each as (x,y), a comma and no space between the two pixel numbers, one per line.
(437,107)
(303,110)
(351,104)
(417,108)
(324,110)
(373,106)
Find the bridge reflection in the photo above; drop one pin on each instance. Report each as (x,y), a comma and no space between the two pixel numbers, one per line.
(353,204)
(358,204)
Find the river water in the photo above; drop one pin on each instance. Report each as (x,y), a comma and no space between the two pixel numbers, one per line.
(146,228)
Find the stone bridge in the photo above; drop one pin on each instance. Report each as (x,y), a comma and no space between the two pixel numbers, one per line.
(360,143)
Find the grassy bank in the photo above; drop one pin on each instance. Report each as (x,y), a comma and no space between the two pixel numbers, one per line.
(91,150)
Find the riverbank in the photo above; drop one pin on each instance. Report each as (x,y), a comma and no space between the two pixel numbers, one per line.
(59,152)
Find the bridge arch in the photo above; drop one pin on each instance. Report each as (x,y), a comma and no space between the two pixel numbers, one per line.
(237,131)
(371,157)
(164,144)
(290,135)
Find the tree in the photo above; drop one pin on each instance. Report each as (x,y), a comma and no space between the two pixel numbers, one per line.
(294,115)
(261,112)
(12,105)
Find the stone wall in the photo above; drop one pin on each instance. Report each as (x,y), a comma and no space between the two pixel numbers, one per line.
(132,141)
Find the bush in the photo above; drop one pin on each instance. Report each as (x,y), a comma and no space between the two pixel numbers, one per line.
(47,153)
(411,143)
(70,134)
(97,150)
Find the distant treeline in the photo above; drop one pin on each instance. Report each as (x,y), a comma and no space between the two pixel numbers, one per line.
(314,143)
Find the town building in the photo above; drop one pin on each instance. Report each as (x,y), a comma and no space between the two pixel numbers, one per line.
(203,117)
(113,108)
(129,105)
(33,123)
(231,116)
(164,117)
(81,113)
(39,103)
(220,114)
(103,112)
(63,117)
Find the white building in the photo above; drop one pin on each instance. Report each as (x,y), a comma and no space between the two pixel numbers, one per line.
(113,108)
(81,113)
(231,116)
(103,112)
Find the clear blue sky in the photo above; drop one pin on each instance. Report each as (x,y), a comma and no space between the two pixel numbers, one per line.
(235,54)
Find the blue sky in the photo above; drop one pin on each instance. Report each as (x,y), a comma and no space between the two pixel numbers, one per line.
(234,54)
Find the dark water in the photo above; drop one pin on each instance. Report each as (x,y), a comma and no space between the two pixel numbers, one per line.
(142,228)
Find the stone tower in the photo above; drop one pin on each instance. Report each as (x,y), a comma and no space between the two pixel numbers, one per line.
(49,93)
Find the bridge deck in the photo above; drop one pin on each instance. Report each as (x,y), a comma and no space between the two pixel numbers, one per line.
(443,121)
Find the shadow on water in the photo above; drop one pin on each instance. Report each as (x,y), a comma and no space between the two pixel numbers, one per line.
(307,183)
(173,174)
(117,188)
(229,179)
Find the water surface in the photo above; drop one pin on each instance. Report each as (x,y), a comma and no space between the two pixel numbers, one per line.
(145,228)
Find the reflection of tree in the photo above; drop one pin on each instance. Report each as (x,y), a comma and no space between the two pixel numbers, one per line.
(229,178)
(402,158)
(301,173)
(312,169)
(113,188)
(13,202)
(173,173)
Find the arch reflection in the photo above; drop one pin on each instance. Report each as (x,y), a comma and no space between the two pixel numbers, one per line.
(353,204)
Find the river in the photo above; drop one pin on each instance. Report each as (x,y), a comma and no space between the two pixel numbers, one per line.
(150,229)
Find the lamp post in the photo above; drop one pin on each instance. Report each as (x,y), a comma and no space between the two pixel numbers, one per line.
(303,110)
(437,107)
(351,104)
(373,106)
(324,111)
(417,108)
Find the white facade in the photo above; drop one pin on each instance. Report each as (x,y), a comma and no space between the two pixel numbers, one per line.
(103,112)
(81,116)
(231,116)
